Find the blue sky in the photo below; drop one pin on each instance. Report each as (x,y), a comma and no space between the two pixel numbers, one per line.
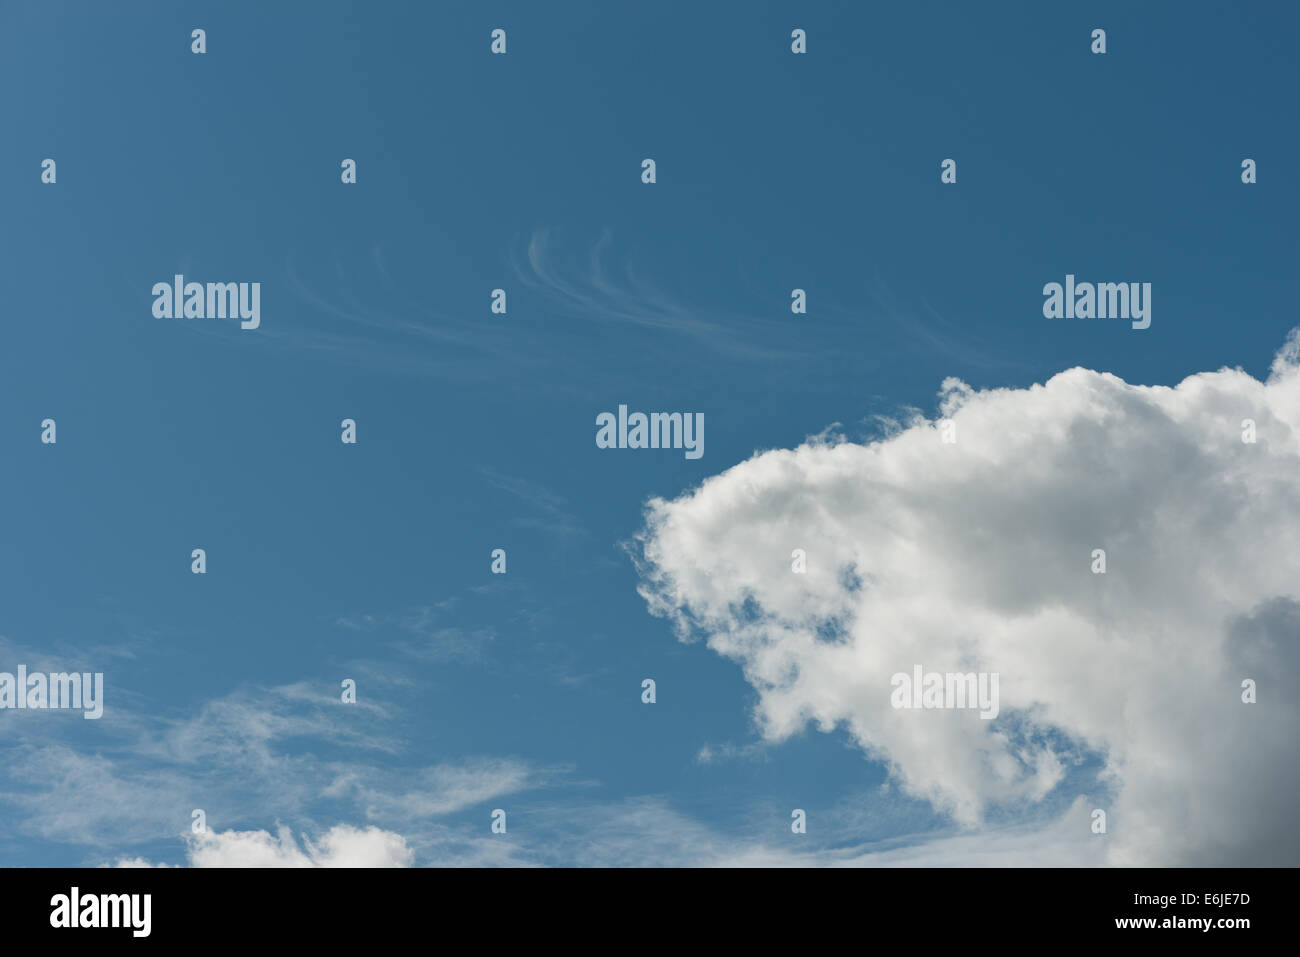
(328,561)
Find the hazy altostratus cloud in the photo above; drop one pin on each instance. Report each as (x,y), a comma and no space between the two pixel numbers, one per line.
(977,555)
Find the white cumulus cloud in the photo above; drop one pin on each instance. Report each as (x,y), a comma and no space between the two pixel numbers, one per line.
(978,556)
(340,846)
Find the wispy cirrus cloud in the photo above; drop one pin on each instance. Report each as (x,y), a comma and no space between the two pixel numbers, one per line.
(588,288)
(291,752)
(553,515)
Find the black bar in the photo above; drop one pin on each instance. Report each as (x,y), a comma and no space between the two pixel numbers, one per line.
(668,907)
